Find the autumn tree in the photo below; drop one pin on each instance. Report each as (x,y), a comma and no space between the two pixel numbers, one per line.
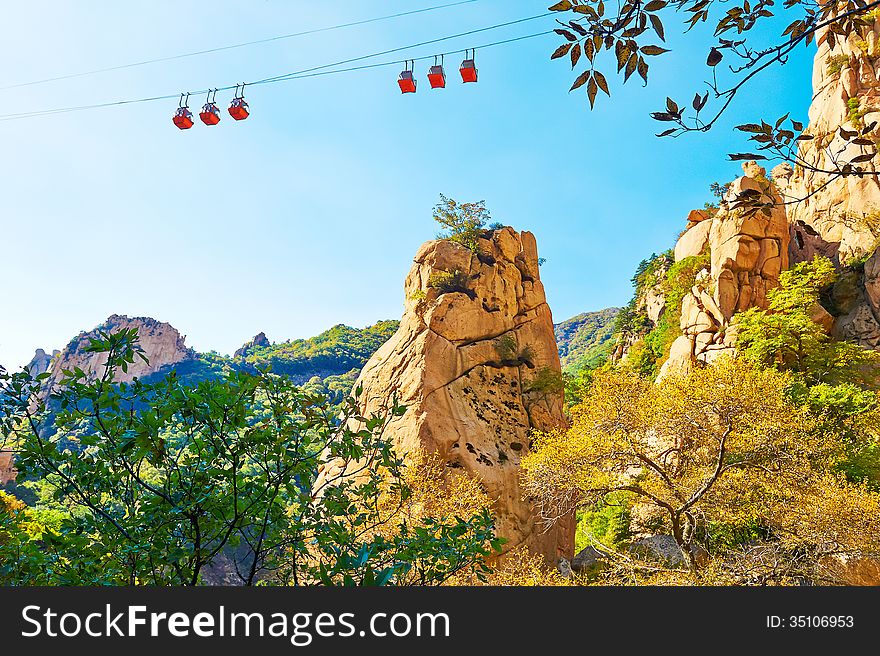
(720,447)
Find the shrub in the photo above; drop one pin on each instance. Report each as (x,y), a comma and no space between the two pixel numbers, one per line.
(836,63)
(447,282)
(606,522)
(546,381)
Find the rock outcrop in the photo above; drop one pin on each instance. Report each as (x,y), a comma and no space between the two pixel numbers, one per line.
(162,344)
(41,362)
(475,364)
(846,93)
(7,467)
(747,250)
(259,340)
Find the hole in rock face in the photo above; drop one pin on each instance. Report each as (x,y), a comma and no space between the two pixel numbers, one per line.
(516,446)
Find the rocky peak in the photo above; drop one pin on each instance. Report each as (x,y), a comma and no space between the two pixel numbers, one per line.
(41,362)
(259,340)
(475,363)
(163,345)
(846,93)
(747,250)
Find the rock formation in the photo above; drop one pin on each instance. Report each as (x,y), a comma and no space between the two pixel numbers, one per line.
(476,365)
(162,344)
(7,467)
(747,249)
(846,93)
(41,362)
(259,340)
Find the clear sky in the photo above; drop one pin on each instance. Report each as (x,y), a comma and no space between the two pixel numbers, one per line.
(307,214)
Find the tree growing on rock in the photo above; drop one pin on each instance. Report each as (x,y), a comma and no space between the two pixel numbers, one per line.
(787,336)
(462,223)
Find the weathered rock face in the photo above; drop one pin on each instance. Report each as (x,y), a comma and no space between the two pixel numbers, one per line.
(259,340)
(856,299)
(163,345)
(846,93)
(476,365)
(7,467)
(748,251)
(41,362)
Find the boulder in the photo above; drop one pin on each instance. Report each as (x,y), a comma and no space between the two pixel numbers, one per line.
(665,549)
(693,241)
(587,559)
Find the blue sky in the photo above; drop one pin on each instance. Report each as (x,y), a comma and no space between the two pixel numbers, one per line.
(307,214)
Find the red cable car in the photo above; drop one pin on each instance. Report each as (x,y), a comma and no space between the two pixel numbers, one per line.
(183,118)
(238,108)
(468,68)
(210,113)
(406,81)
(436,75)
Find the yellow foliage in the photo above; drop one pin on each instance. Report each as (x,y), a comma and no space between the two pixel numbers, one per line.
(720,445)
(519,567)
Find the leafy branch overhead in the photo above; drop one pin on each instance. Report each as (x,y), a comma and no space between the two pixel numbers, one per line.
(848,152)
(631,30)
(594,31)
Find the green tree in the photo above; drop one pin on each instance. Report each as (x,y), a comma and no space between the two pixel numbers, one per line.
(462,223)
(156,483)
(786,337)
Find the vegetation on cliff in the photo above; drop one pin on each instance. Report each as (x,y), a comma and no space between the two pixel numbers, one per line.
(761,469)
(332,353)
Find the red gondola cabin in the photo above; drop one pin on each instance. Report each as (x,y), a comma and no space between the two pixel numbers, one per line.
(183,118)
(468,71)
(238,109)
(407,82)
(437,77)
(210,114)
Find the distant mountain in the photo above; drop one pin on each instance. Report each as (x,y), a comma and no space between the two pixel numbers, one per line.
(328,362)
(332,353)
(586,339)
